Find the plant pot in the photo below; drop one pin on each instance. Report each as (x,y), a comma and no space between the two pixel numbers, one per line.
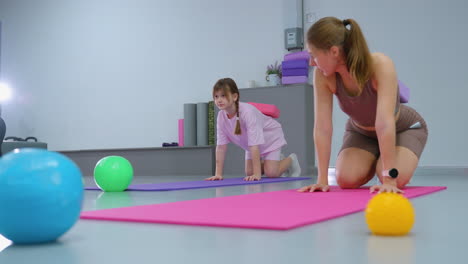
(273,79)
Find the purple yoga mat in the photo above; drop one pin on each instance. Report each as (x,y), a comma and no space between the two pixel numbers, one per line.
(295,72)
(404,92)
(295,64)
(297,56)
(294,79)
(168,186)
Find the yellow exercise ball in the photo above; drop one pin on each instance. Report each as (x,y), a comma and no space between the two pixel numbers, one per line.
(389,214)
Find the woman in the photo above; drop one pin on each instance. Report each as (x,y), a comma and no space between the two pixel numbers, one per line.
(381,135)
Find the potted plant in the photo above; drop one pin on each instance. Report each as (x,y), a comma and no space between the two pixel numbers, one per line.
(273,73)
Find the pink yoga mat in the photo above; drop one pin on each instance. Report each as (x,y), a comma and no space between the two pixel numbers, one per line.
(279,210)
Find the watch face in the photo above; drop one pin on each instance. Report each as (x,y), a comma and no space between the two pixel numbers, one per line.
(393,173)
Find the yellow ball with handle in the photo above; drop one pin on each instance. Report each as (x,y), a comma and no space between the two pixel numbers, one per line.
(389,214)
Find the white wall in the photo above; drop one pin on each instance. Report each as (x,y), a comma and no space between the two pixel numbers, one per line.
(114,74)
(427,41)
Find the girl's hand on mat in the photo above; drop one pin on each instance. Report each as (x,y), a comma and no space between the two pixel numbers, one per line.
(214,178)
(253,178)
(385,188)
(315,187)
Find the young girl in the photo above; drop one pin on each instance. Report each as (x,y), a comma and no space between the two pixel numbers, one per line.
(381,135)
(259,135)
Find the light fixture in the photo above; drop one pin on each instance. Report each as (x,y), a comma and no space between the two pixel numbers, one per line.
(5,92)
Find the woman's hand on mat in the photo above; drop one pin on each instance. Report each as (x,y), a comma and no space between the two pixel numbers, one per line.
(253,178)
(214,178)
(386,187)
(315,187)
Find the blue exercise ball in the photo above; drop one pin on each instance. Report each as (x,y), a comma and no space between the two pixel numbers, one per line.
(41,195)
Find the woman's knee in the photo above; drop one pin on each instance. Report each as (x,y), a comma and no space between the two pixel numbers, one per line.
(347,180)
(353,178)
(402,184)
(355,167)
(406,163)
(404,178)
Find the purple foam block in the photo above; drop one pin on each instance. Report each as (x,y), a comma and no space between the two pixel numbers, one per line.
(295,72)
(297,56)
(404,92)
(295,64)
(294,79)
(169,186)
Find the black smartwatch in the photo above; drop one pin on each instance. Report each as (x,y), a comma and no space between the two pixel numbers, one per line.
(392,173)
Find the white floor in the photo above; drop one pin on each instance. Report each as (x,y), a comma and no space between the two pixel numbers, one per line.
(439,236)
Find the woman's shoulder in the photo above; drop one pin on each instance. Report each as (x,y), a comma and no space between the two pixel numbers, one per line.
(382,66)
(380,60)
(321,79)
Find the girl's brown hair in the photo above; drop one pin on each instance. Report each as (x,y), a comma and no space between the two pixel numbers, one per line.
(229,87)
(330,31)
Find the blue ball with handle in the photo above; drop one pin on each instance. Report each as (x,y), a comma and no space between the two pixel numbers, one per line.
(41,195)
